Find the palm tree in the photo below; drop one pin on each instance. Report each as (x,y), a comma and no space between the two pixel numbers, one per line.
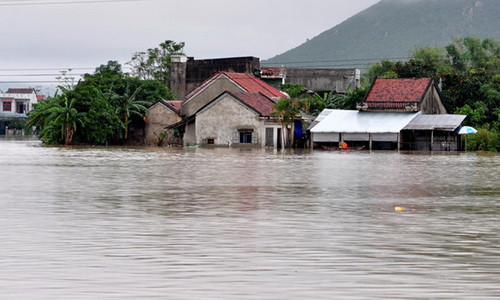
(128,105)
(57,114)
(287,111)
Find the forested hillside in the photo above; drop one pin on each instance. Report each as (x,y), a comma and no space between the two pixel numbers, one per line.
(392,29)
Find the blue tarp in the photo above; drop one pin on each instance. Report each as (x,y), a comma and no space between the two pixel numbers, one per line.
(298,129)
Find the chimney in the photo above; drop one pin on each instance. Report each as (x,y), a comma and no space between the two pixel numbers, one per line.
(178,76)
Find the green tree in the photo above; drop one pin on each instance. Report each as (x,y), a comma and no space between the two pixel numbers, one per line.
(57,118)
(127,105)
(287,111)
(155,63)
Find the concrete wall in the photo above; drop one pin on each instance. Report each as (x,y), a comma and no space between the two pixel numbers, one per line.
(159,116)
(432,104)
(217,87)
(222,119)
(324,79)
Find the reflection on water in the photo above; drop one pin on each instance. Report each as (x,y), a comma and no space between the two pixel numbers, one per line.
(102,223)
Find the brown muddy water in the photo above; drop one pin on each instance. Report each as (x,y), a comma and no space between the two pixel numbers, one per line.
(115,223)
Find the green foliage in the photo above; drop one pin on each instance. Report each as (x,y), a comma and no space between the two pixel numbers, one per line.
(58,119)
(483,140)
(98,109)
(155,63)
(349,99)
(383,69)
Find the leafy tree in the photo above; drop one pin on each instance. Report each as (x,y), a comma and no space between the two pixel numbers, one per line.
(127,105)
(57,115)
(287,111)
(155,63)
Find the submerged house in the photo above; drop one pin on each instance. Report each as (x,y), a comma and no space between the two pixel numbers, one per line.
(230,109)
(395,114)
(237,119)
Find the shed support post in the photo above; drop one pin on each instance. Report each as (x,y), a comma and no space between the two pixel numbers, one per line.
(432,139)
(311,141)
(341,140)
(399,141)
(370,142)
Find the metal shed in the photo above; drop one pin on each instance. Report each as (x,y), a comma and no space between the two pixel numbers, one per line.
(433,132)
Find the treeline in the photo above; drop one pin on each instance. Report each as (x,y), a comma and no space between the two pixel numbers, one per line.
(100,108)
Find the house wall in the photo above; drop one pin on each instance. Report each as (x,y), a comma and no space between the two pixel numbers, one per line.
(159,116)
(213,90)
(190,134)
(222,120)
(432,104)
(28,99)
(324,79)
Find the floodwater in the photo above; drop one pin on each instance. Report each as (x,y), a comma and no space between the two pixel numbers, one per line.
(135,223)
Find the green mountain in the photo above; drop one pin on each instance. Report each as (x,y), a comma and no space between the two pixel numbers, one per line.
(391,29)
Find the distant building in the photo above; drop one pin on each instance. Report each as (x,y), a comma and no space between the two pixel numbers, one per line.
(14,105)
(187,73)
(315,79)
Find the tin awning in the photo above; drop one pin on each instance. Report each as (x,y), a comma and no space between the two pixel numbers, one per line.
(436,122)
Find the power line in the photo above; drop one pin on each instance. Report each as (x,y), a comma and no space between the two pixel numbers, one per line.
(65,3)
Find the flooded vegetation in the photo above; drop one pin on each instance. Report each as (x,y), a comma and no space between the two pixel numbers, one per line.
(112,222)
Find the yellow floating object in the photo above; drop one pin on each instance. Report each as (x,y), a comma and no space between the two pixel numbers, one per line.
(399,208)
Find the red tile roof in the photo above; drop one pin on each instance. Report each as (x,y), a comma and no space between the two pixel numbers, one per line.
(20,91)
(257,101)
(247,82)
(40,97)
(398,90)
(176,105)
(253,84)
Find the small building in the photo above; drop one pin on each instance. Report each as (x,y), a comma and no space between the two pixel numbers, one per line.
(371,130)
(160,115)
(237,119)
(395,114)
(433,133)
(14,105)
(403,95)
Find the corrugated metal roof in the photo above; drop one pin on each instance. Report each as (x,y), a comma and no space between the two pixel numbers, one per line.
(320,117)
(435,122)
(353,121)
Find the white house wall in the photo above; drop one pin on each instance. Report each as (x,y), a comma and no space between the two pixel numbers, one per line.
(222,119)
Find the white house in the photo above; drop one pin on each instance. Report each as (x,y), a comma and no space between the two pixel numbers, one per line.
(17,101)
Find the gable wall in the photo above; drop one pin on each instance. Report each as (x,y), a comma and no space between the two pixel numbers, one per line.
(158,117)
(432,104)
(222,120)
(216,88)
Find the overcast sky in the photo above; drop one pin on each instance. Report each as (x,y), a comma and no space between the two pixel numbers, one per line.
(88,34)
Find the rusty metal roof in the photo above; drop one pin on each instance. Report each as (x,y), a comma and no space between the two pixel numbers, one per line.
(435,122)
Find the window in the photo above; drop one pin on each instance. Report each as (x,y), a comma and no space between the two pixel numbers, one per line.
(21,108)
(210,141)
(245,137)
(7,106)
